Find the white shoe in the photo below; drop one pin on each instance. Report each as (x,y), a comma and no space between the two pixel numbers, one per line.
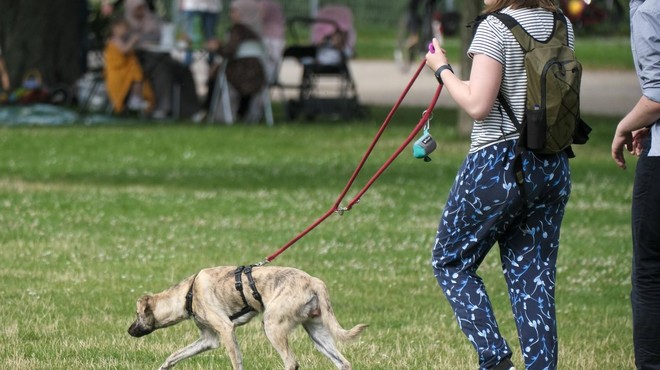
(158,114)
(199,116)
(137,104)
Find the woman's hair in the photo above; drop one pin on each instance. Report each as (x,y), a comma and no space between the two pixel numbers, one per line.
(518,4)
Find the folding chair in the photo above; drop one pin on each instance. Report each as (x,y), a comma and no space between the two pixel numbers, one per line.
(92,86)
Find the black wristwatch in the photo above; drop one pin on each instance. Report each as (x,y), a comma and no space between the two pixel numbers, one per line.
(439,71)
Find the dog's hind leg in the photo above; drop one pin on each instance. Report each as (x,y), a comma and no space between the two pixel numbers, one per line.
(208,340)
(324,343)
(277,330)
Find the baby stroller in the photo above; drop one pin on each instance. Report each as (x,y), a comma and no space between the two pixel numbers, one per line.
(326,87)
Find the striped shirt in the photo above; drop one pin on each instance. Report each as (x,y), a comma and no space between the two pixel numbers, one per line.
(494,40)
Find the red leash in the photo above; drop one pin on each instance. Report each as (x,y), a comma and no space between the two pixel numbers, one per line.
(335,207)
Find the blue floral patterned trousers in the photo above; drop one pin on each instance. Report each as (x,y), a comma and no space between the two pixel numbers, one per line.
(485,206)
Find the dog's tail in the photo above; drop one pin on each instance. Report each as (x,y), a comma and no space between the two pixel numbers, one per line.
(329,318)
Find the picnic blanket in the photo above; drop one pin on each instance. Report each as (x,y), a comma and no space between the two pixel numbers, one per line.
(48,115)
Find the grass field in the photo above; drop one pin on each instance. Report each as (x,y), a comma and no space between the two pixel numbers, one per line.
(93,217)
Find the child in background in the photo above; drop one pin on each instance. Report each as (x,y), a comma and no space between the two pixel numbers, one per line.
(124,79)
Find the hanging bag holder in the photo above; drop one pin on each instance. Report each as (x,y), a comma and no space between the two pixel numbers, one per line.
(425,145)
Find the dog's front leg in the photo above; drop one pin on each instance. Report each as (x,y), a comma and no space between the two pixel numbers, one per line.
(225,328)
(208,340)
(228,337)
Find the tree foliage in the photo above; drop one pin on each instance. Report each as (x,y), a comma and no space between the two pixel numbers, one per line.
(44,36)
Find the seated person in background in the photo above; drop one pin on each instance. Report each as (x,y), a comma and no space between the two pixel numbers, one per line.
(162,71)
(123,75)
(246,76)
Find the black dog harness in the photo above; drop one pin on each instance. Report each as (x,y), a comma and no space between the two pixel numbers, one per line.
(189,298)
(239,286)
(238,275)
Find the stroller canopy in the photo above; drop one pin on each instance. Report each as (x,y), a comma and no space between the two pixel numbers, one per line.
(342,17)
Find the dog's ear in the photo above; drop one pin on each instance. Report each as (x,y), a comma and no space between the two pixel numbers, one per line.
(144,305)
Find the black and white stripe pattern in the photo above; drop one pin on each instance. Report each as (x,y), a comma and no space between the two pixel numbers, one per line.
(495,40)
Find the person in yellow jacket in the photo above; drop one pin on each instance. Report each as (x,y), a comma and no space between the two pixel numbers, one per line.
(125,82)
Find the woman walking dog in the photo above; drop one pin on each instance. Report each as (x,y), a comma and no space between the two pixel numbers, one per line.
(486,205)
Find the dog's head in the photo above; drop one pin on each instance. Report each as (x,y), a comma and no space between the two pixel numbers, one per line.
(145,322)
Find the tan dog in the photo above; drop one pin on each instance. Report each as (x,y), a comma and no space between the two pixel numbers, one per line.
(222,298)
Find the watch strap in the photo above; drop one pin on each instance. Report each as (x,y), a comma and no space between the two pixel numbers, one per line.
(439,71)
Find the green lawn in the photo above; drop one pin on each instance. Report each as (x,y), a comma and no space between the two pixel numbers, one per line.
(93,217)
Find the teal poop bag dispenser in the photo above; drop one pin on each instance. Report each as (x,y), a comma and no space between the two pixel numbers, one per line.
(425,145)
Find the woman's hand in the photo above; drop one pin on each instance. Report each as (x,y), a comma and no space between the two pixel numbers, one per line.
(638,139)
(632,129)
(438,58)
(621,139)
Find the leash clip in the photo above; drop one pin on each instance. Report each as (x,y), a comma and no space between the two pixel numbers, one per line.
(428,120)
(262,263)
(425,145)
(342,210)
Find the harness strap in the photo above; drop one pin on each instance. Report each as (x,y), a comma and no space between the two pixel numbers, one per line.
(239,284)
(189,298)
(253,286)
(517,161)
(244,311)
(238,275)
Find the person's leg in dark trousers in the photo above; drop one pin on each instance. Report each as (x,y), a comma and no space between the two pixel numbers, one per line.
(484,205)
(481,202)
(157,68)
(209,26)
(190,103)
(528,252)
(189,28)
(645,295)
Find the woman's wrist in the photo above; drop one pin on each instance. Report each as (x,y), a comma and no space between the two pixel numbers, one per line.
(442,68)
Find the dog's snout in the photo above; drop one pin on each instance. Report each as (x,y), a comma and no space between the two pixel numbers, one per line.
(137,331)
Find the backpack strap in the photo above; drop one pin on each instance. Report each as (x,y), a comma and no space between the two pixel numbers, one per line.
(561,26)
(527,41)
(476,22)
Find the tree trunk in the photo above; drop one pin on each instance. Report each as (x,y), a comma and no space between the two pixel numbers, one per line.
(44,36)
(469,10)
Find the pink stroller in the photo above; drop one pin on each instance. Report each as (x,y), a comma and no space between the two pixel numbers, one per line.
(326,87)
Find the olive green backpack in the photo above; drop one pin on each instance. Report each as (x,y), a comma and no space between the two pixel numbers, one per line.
(551,122)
